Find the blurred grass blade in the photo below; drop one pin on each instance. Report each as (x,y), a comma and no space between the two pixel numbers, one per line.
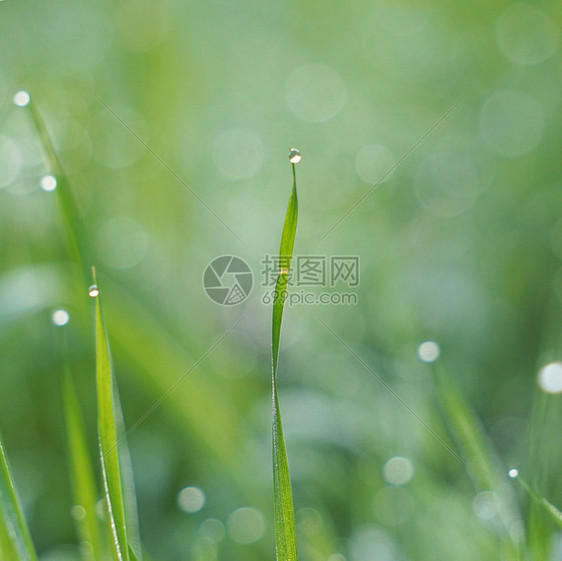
(108,438)
(84,489)
(482,463)
(467,430)
(15,540)
(285,534)
(67,203)
(132,554)
(129,490)
(553,511)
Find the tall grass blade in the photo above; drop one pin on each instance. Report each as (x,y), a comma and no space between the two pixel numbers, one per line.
(285,534)
(84,488)
(15,540)
(69,209)
(108,438)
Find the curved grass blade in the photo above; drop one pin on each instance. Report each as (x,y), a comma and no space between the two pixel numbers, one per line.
(285,534)
(15,540)
(84,488)
(107,428)
(69,209)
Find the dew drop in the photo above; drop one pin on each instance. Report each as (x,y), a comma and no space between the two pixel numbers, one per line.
(294,156)
(22,98)
(93,291)
(48,183)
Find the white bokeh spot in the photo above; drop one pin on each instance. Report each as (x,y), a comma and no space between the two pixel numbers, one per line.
(429,351)
(399,470)
(60,318)
(550,378)
(191,499)
(22,98)
(48,183)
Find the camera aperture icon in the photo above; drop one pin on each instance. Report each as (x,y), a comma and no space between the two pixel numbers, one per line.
(228,280)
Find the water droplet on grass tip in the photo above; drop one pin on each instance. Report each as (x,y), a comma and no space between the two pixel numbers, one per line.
(294,156)
(22,98)
(93,291)
(513,473)
(48,183)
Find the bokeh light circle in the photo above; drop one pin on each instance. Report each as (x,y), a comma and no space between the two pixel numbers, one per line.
(374,163)
(121,242)
(48,183)
(191,499)
(429,351)
(526,35)
(246,525)
(238,153)
(550,378)
(315,93)
(11,161)
(22,98)
(512,123)
(60,318)
(399,470)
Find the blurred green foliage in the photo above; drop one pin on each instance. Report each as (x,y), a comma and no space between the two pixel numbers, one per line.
(461,244)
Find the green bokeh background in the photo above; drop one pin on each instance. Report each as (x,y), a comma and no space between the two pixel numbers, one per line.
(461,244)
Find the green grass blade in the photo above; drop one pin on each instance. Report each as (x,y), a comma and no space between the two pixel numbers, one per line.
(129,490)
(69,209)
(482,462)
(132,554)
(285,258)
(15,540)
(108,438)
(285,533)
(84,489)
(553,511)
